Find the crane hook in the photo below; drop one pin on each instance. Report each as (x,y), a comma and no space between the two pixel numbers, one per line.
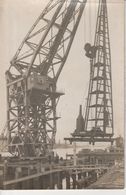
(90,50)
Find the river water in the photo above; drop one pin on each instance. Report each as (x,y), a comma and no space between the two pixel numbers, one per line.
(69,150)
(62,152)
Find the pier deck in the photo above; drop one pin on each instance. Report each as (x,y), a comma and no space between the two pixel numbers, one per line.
(114,179)
(54,176)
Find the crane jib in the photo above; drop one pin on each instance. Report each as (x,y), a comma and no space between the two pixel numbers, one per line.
(45,65)
(60,34)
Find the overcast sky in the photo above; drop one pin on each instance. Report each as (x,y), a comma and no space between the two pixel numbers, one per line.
(16,18)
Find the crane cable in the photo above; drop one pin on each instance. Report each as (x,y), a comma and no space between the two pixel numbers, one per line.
(89,21)
(87,35)
(84,34)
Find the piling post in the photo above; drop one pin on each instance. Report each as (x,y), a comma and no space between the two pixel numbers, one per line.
(18,172)
(67,181)
(79,176)
(31,185)
(19,186)
(36,183)
(45,182)
(84,174)
(52,182)
(74,154)
(41,182)
(60,184)
(25,184)
(74,181)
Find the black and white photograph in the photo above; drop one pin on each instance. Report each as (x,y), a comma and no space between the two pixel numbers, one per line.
(62,94)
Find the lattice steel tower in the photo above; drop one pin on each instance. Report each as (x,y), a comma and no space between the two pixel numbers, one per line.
(97,124)
(99,110)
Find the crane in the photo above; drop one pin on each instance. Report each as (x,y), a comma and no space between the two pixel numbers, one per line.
(32,94)
(99,109)
(97,124)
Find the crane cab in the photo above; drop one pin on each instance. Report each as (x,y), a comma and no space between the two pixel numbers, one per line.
(39,82)
(41,87)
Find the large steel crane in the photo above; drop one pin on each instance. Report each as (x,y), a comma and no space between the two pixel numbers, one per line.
(32,95)
(97,124)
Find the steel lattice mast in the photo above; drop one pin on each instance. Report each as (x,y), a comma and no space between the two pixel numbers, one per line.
(97,125)
(99,110)
(32,96)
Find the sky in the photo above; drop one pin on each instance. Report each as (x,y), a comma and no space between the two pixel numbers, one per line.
(16,18)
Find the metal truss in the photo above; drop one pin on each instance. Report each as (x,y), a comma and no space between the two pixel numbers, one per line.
(32,95)
(98,121)
(99,110)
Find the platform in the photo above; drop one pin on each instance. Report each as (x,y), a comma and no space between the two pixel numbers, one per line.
(90,140)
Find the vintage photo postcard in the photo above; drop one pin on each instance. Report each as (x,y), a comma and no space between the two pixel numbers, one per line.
(61,94)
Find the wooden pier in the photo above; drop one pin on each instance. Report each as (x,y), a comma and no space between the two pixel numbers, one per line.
(25,175)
